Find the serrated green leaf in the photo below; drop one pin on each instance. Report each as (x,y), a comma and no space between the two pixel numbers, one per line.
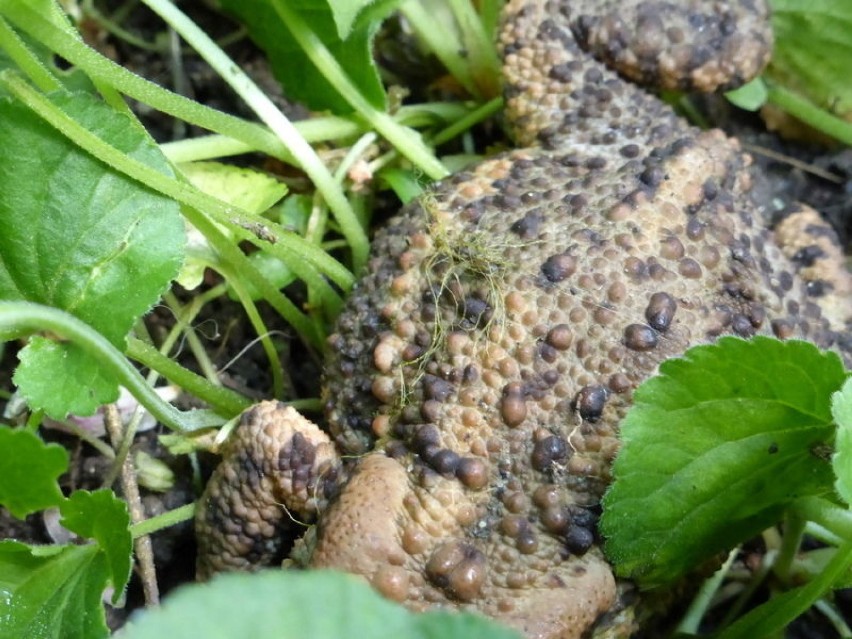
(74,234)
(29,469)
(291,605)
(301,80)
(78,236)
(813,52)
(102,516)
(841,409)
(713,450)
(344,13)
(61,379)
(51,592)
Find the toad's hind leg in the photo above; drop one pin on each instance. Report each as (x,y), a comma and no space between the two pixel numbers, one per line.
(814,249)
(278,471)
(554,89)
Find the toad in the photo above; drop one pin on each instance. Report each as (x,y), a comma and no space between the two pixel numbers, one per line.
(476,379)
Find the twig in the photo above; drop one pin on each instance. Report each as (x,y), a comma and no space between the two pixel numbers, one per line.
(142,545)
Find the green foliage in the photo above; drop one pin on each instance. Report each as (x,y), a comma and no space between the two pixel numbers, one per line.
(90,225)
(841,409)
(95,243)
(29,469)
(102,516)
(775,615)
(345,28)
(714,449)
(291,605)
(751,96)
(52,592)
(55,591)
(813,54)
(251,190)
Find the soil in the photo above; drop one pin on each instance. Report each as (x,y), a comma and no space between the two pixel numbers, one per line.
(226,333)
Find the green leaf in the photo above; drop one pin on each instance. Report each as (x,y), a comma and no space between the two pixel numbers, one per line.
(301,80)
(713,450)
(250,190)
(407,184)
(291,605)
(102,516)
(813,51)
(29,469)
(841,409)
(78,236)
(51,592)
(771,618)
(79,389)
(344,13)
(751,96)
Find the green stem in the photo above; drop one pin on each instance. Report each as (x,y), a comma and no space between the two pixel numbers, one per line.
(302,257)
(21,55)
(466,122)
(275,367)
(828,515)
(701,602)
(163,520)
(223,400)
(206,147)
(17,318)
(794,529)
(100,69)
(275,120)
(235,261)
(809,113)
(409,143)
(117,30)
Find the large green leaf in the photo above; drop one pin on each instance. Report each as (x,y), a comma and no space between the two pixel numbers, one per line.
(78,236)
(292,605)
(813,53)
(51,592)
(713,450)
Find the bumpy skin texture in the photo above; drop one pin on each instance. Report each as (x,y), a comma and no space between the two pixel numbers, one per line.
(480,370)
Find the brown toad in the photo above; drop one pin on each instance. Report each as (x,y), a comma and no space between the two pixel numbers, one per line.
(478,374)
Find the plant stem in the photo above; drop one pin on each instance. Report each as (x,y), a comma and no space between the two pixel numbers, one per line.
(223,400)
(794,528)
(472,118)
(21,55)
(206,147)
(809,113)
(100,69)
(701,602)
(20,318)
(409,143)
(164,520)
(275,120)
(828,515)
(130,487)
(275,367)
